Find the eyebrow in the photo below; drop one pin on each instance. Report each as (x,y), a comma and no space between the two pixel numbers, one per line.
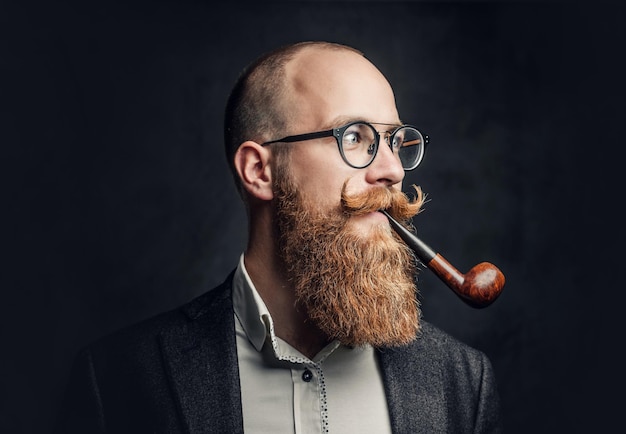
(341,120)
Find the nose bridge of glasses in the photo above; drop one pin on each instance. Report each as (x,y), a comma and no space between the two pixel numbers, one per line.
(386,136)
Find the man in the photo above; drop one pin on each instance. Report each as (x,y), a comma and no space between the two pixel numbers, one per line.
(318,328)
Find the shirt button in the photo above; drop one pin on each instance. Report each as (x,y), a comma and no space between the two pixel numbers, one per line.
(307,375)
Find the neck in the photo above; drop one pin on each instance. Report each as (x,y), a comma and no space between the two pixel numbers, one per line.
(290,323)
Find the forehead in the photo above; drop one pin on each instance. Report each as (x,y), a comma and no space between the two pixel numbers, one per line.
(324,85)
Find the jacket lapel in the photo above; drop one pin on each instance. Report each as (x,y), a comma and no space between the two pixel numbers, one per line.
(414,400)
(201,358)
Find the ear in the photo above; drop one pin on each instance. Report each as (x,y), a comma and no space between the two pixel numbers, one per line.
(252,165)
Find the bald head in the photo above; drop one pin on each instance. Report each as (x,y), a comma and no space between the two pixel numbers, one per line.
(322,86)
(289,88)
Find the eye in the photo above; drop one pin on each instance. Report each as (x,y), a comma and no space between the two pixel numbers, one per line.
(351,139)
(398,141)
(357,137)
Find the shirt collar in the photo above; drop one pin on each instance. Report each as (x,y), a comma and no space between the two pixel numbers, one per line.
(257,323)
(249,307)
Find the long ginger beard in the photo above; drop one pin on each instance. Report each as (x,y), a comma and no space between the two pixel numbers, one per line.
(358,289)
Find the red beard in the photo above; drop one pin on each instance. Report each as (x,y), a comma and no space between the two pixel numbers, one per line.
(356,289)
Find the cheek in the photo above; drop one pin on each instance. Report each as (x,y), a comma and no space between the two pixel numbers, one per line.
(320,189)
(319,177)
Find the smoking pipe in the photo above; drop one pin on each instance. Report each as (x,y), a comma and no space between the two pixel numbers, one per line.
(479,287)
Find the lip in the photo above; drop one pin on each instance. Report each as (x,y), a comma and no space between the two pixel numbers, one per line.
(379,215)
(374,217)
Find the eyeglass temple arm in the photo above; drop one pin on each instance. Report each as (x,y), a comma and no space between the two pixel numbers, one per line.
(302,137)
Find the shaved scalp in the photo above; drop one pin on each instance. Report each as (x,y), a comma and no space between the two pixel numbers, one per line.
(257,107)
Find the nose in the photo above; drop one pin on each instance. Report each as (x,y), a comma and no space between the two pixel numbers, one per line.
(386,169)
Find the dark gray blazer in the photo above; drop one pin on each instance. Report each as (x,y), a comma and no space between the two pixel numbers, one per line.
(177,373)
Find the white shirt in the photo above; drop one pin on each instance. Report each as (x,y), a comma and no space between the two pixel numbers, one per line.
(282,391)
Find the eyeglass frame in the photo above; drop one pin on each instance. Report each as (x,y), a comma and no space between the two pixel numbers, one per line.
(338,133)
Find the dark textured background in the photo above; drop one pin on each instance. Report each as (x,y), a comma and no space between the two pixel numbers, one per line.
(117,203)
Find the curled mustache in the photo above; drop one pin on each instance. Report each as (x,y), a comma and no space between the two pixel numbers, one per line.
(394,201)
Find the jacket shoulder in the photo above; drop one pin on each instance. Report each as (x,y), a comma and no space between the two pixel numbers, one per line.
(439,342)
(438,381)
(147,331)
(130,380)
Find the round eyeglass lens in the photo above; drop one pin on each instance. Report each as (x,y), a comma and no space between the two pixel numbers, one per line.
(358,144)
(409,144)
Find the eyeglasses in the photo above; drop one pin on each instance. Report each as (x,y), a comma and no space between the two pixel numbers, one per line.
(358,143)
